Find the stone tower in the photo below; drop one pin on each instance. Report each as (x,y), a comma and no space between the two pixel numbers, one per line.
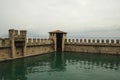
(59,39)
(18,43)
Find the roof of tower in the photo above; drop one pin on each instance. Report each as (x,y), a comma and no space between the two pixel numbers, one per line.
(58,31)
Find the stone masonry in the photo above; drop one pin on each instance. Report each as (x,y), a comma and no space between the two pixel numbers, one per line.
(17,45)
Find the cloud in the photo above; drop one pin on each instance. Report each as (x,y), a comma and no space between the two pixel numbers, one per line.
(67,15)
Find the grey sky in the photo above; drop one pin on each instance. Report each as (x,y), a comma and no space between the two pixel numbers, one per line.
(68,15)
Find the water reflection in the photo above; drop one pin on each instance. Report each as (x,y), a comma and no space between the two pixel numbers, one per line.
(93,60)
(56,62)
(13,70)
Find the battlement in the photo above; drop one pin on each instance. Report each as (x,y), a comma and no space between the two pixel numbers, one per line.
(4,42)
(92,41)
(16,33)
(37,41)
(17,45)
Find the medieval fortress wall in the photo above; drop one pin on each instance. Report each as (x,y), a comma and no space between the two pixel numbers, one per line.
(17,45)
(39,46)
(93,46)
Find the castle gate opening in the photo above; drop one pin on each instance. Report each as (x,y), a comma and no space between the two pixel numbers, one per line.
(59,37)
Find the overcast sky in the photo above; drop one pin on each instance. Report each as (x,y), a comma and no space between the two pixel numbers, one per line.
(67,15)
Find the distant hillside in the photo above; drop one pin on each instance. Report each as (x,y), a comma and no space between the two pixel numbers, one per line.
(110,33)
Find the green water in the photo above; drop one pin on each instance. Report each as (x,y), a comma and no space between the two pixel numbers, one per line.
(62,66)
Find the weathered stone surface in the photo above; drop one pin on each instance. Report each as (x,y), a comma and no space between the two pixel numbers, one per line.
(17,45)
(103,49)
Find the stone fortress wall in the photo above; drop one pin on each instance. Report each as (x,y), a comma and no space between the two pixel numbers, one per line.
(39,46)
(93,46)
(17,45)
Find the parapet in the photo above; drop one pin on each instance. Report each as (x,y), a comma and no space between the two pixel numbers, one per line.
(92,41)
(11,32)
(4,42)
(37,41)
(15,33)
(117,41)
(23,33)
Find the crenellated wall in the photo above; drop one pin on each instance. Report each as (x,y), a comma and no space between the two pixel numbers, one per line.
(17,45)
(92,41)
(5,50)
(4,42)
(93,46)
(39,46)
(37,41)
(34,47)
